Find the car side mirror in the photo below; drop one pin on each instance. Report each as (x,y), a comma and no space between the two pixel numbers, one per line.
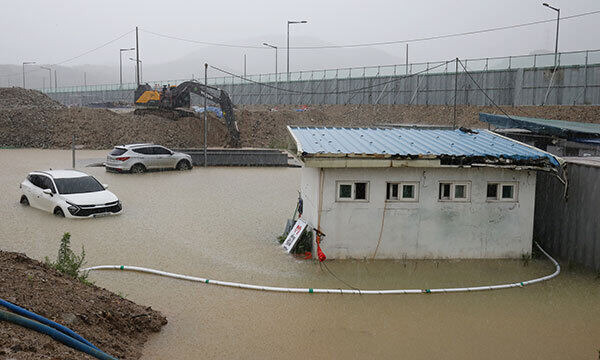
(105,186)
(172,153)
(47,191)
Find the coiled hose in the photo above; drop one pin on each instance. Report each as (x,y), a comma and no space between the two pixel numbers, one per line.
(333,291)
(55,334)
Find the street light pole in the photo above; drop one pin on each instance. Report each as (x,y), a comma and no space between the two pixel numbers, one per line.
(276,74)
(557,24)
(121,64)
(288,44)
(50,75)
(26,63)
(140,67)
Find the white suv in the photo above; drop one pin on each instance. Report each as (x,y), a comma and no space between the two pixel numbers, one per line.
(69,193)
(137,158)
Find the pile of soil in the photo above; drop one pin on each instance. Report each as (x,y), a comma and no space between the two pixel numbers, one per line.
(102,129)
(262,126)
(115,325)
(51,126)
(12,98)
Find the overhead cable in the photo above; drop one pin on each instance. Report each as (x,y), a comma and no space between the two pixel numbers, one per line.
(397,78)
(380,43)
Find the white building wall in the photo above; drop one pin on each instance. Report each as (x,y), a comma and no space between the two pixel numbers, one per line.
(309,190)
(428,228)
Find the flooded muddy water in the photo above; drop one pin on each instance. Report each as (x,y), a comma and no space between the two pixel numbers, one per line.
(222,223)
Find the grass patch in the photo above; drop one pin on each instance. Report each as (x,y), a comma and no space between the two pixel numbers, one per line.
(68,262)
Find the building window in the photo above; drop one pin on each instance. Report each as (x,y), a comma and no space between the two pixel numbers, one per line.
(455,191)
(352,191)
(402,191)
(505,191)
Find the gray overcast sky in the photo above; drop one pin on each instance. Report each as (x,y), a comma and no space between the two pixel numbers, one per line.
(51,31)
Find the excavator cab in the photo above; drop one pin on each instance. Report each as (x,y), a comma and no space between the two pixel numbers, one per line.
(145,95)
(176,99)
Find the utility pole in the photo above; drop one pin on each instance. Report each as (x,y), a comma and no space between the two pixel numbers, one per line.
(137,56)
(55,81)
(84,80)
(205,113)
(244,65)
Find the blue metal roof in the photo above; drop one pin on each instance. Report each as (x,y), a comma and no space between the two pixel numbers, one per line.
(389,142)
(544,126)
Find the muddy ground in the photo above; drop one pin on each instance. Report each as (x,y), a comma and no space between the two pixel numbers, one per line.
(31,119)
(115,325)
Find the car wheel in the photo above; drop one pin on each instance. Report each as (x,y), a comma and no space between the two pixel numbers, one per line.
(58,212)
(138,169)
(24,200)
(183,165)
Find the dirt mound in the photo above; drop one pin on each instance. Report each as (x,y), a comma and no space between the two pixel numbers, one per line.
(117,326)
(31,119)
(260,126)
(13,98)
(102,129)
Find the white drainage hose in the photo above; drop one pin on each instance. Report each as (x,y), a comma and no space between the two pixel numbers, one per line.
(332,291)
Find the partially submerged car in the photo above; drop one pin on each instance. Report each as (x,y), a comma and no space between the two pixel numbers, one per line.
(137,158)
(69,193)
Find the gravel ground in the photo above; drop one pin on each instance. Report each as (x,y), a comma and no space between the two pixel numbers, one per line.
(31,119)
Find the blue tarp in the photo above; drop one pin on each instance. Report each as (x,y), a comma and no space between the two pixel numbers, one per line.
(215,110)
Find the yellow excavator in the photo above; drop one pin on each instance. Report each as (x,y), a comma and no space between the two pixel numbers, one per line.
(176,101)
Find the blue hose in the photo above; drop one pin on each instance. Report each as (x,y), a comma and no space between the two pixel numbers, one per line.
(28,314)
(55,334)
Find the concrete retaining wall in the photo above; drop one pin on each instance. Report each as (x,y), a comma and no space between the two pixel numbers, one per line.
(572,85)
(570,229)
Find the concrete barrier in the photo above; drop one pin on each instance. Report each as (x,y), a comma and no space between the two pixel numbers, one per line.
(238,157)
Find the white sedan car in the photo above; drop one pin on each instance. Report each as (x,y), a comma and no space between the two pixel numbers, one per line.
(69,193)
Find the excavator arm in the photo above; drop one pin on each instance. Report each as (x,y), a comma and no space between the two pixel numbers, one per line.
(179,97)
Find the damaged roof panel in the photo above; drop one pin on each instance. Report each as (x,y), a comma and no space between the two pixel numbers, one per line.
(558,128)
(378,142)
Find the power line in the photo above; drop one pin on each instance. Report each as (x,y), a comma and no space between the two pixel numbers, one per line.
(446,35)
(398,78)
(380,43)
(77,56)
(203,42)
(482,90)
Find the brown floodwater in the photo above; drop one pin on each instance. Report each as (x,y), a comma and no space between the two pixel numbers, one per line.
(222,223)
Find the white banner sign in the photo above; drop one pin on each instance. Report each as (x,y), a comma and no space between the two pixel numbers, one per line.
(294,235)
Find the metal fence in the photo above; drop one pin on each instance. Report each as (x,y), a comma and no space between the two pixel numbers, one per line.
(512,80)
(568,227)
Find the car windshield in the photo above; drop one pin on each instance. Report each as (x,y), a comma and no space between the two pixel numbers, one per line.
(78,185)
